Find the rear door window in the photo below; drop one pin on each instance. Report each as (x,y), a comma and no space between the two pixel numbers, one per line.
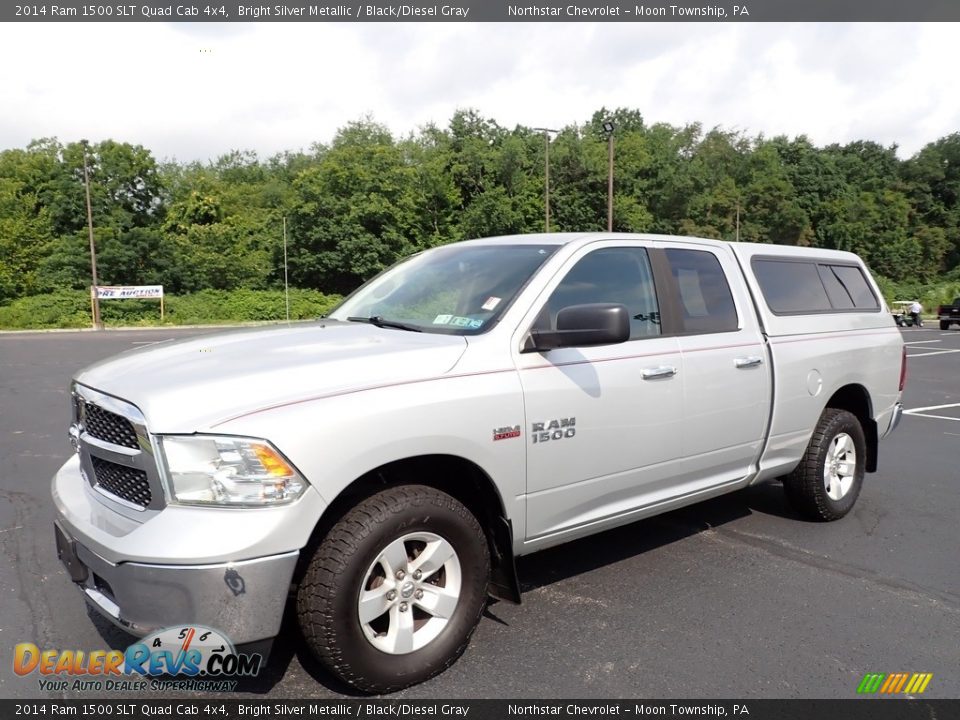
(706,302)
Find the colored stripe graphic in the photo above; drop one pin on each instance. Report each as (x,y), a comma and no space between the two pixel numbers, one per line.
(894,683)
(927,677)
(900,683)
(871,682)
(891,681)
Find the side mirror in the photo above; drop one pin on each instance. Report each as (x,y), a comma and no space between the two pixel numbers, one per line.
(583,326)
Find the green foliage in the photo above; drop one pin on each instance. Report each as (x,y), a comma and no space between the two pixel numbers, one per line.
(62,309)
(71,309)
(930,294)
(359,204)
(215,306)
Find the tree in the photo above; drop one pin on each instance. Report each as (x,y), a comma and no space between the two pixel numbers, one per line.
(366,199)
(353,213)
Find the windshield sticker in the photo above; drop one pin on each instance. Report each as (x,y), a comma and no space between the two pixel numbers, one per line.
(491,303)
(458,321)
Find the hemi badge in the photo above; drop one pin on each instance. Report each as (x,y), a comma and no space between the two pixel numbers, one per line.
(505,433)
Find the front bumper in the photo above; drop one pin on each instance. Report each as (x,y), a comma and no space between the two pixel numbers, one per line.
(243,600)
(229,569)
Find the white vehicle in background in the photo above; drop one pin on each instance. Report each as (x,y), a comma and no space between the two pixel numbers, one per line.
(474,403)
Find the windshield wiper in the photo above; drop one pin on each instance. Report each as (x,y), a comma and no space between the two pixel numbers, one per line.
(382,322)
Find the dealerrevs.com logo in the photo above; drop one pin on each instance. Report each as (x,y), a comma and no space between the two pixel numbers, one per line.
(204,656)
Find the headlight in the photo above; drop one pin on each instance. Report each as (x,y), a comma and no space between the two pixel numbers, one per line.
(218,470)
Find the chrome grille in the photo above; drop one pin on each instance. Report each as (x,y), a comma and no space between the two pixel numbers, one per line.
(107,426)
(126,483)
(116,453)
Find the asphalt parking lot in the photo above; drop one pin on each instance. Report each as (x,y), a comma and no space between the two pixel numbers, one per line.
(733,598)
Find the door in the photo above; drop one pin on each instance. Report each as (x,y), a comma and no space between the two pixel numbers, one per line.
(602,423)
(726,369)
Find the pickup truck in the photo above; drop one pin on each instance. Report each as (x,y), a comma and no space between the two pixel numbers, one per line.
(475,402)
(949,314)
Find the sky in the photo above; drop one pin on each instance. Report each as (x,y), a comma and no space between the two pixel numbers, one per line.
(196,91)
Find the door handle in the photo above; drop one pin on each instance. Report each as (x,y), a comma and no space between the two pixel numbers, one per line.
(664,371)
(749,361)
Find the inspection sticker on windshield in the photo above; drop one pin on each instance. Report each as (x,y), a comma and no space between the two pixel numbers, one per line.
(458,321)
(491,303)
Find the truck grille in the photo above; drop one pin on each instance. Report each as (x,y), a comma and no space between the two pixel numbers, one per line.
(116,452)
(126,483)
(107,426)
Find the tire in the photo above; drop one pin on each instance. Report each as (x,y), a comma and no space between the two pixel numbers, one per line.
(402,529)
(944,324)
(825,485)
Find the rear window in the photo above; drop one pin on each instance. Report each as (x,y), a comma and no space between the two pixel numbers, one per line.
(804,287)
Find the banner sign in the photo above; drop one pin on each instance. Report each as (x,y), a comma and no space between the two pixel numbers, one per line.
(217,707)
(226,11)
(124,292)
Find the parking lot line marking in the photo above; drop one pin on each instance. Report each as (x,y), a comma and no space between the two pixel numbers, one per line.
(931,407)
(935,417)
(937,352)
(922,342)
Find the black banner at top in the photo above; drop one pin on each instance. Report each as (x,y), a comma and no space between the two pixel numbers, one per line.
(352,709)
(489,11)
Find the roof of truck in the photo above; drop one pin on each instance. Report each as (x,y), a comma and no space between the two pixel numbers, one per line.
(562,238)
(745,250)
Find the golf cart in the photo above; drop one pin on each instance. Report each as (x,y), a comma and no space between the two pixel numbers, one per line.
(900,309)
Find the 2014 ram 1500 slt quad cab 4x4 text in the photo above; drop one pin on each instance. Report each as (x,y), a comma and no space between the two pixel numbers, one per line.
(475,402)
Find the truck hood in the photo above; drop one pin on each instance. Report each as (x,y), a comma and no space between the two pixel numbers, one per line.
(190,385)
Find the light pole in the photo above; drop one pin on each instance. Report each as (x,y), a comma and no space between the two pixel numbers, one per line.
(546,174)
(608,128)
(286,283)
(97,323)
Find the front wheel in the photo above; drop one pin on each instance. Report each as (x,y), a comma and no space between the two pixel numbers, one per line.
(395,589)
(826,483)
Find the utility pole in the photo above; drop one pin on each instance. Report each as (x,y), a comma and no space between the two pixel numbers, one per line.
(286,284)
(738,219)
(546,174)
(95,297)
(608,128)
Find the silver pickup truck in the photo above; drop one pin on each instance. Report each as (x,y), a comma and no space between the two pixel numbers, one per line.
(475,402)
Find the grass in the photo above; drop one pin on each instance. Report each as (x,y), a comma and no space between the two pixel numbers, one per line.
(71,309)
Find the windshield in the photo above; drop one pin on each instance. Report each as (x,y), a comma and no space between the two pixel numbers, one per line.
(455,289)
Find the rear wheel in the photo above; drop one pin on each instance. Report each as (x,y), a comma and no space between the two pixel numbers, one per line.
(944,324)
(393,593)
(826,483)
